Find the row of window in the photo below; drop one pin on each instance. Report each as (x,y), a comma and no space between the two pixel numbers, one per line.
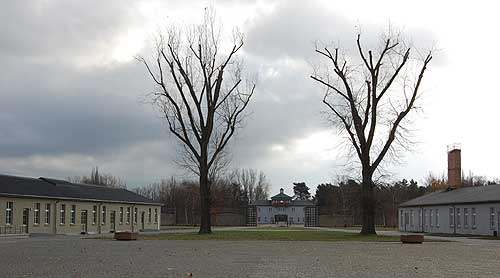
(9,214)
(430,218)
(277,209)
(272,218)
(456,220)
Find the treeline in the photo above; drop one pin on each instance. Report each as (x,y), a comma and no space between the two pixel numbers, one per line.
(232,192)
(342,199)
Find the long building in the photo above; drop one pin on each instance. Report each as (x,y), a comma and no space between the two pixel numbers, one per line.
(456,209)
(51,206)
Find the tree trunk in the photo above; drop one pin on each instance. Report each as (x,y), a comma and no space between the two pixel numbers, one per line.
(205,226)
(368,205)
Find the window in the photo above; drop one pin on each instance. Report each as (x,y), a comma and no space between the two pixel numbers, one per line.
(458,218)
(425,217)
(9,214)
(156,215)
(466,218)
(36,217)
(103,214)
(411,218)
(47,214)
(430,217)
(72,217)
(128,215)
(420,217)
(401,218)
(492,218)
(452,218)
(473,217)
(135,215)
(149,215)
(94,215)
(63,214)
(121,215)
(270,209)
(293,209)
(437,218)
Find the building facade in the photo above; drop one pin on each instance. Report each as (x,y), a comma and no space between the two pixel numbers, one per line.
(283,209)
(454,209)
(51,206)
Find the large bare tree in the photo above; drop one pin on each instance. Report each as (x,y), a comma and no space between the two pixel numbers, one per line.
(369,99)
(201,95)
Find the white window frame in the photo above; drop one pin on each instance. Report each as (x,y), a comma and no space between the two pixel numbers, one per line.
(103,215)
(459,223)
(430,217)
(437,218)
(466,218)
(72,217)
(473,218)
(156,215)
(492,218)
(94,215)
(36,215)
(9,213)
(47,214)
(128,215)
(411,218)
(62,215)
(135,215)
(452,218)
(121,215)
(420,217)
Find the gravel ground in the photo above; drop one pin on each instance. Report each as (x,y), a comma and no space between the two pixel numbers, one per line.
(71,256)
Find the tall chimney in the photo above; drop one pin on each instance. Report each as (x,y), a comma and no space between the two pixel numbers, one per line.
(454,166)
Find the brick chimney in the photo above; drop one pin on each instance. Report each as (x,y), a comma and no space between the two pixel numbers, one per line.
(454,166)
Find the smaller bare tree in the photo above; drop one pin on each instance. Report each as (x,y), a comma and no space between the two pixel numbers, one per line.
(201,96)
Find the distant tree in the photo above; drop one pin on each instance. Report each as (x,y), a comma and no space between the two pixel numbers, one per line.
(97,178)
(202,98)
(254,184)
(369,101)
(301,191)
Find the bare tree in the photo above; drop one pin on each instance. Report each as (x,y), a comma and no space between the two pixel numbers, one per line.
(369,102)
(97,178)
(201,97)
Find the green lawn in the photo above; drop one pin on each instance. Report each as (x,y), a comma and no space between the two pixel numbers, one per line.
(272,235)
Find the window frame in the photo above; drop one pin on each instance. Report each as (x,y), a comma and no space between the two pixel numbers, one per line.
(47,214)
(492,218)
(62,215)
(9,213)
(103,215)
(36,215)
(473,218)
(72,215)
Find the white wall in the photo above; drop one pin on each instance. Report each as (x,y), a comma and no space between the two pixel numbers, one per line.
(265,214)
(459,224)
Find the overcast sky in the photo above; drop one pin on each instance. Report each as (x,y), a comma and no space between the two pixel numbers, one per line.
(71,92)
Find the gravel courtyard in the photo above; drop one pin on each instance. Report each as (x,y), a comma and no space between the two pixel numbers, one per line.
(71,256)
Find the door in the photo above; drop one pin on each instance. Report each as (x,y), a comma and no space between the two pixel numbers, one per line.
(84,221)
(112,221)
(142,219)
(26,219)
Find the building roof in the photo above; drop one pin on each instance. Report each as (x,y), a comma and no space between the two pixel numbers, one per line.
(464,195)
(281,196)
(60,189)
(293,203)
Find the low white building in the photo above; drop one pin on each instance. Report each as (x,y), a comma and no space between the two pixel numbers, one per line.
(283,208)
(466,210)
(456,209)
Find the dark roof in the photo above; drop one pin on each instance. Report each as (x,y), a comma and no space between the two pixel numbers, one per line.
(293,203)
(478,194)
(60,189)
(281,196)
